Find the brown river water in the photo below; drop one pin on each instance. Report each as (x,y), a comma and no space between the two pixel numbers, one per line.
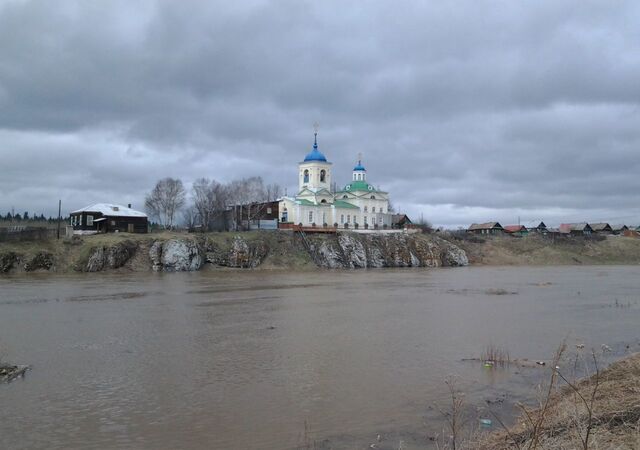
(252,359)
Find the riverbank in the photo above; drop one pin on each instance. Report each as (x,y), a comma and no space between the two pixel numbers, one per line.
(169,251)
(537,250)
(602,411)
(176,252)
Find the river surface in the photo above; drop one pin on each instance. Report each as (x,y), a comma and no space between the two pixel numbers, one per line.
(276,360)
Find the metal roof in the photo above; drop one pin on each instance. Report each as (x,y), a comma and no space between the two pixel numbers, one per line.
(109,209)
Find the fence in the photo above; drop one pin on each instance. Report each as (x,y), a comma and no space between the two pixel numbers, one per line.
(25,233)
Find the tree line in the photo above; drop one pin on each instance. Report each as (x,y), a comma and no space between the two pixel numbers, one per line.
(207,204)
(27,217)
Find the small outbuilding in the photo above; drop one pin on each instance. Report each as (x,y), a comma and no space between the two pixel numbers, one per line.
(576,229)
(108,218)
(486,228)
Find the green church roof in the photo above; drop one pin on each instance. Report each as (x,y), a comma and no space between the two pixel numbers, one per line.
(343,204)
(358,186)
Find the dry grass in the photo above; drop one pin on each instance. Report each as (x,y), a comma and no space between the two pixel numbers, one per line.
(598,412)
(495,355)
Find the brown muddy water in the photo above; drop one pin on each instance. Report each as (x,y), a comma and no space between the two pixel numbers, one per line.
(247,360)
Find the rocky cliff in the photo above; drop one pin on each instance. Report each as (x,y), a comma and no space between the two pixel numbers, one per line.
(177,253)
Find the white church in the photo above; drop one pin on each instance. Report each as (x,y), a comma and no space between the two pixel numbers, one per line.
(357,205)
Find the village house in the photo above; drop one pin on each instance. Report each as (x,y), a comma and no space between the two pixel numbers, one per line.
(492,228)
(400,221)
(516,230)
(106,218)
(357,205)
(537,227)
(619,228)
(601,228)
(254,216)
(576,229)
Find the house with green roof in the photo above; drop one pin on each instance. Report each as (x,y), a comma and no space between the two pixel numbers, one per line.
(357,205)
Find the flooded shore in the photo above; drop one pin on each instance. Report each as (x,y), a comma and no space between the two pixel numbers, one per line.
(271,359)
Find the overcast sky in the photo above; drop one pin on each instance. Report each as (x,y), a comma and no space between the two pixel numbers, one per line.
(464,111)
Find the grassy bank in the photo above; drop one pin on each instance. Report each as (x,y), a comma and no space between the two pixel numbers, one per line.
(538,250)
(599,412)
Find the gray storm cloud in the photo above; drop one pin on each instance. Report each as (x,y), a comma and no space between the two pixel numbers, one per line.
(464,111)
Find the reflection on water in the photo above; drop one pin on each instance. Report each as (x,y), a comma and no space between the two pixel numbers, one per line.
(244,359)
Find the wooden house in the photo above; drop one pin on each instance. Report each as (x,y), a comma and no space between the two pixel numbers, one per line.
(619,228)
(516,230)
(493,228)
(400,221)
(537,227)
(601,228)
(107,218)
(576,229)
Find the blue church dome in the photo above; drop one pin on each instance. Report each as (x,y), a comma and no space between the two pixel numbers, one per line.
(359,167)
(315,154)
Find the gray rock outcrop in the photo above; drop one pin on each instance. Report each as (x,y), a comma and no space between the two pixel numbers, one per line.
(7,261)
(353,250)
(176,255)
(241,254)
(110,257)
(40,261)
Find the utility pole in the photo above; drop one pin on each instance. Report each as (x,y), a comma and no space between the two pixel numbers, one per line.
(59,216)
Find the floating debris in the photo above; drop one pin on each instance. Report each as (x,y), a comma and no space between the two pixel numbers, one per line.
(10,373)
(486,423)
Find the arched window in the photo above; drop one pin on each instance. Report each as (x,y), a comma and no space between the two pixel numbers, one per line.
(323,201)
(341,218)
(373,197)
(373,209)
(359,176)
(345,196)
(306,176)
(310,216)
(365,208)
(323,175)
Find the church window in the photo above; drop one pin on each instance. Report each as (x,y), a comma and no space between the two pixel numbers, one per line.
(365,219)
(323,201)
(348,218)
(310,216)
(380,220)
(341,218)
(345,196)
(373,197)
(365,208)
(323,175)
(359,176)
(306,176)
(373,209)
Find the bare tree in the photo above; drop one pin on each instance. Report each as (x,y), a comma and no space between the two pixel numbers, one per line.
(165,200)
(273,192)
(190,216)
(209,199)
